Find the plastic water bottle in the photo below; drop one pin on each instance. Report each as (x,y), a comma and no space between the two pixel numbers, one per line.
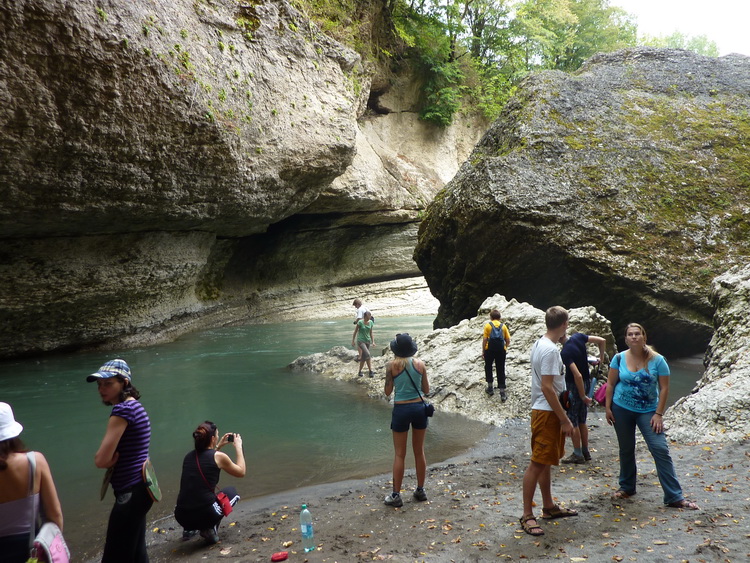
(306,527)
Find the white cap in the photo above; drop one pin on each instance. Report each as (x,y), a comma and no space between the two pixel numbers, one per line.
(9,428)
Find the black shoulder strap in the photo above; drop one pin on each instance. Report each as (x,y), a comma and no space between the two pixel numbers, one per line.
(409,369)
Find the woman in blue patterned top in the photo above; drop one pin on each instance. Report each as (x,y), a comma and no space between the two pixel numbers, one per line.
(124,449)
(637,389)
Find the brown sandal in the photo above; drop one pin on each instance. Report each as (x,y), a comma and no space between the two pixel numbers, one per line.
(557,512)
(531,530)
(686,504)
(622,494)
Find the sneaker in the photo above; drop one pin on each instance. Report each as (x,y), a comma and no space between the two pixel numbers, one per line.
(394,499)
(420,495)
(359,374)
(586,455)
(503,396)
(187,534)
(372,373)
(490,391)
(210,535)
(573,458)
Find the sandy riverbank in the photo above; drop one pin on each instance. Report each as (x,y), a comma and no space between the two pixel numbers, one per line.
(474,505)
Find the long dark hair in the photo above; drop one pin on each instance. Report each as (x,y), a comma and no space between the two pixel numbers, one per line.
(128,390)
(9,446)
(203,434)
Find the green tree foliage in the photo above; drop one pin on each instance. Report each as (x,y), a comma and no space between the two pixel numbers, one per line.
(471,54)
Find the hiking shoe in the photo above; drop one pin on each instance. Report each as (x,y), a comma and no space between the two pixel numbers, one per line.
(503,396)
(372,373)
(490,391)
(394,499)
(420,495)
(573,458)
(210,535)
(586,455)
(187,534)
(359,374)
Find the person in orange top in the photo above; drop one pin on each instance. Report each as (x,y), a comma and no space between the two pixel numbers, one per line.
(494,350)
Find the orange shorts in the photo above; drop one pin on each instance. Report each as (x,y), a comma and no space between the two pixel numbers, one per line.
(547,441)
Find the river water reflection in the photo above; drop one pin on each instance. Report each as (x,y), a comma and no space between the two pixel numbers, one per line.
(297,429)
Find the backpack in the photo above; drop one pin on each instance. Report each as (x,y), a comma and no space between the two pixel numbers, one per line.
(496,341)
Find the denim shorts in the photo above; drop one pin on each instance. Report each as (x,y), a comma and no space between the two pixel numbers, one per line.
(578,411)
(406,414)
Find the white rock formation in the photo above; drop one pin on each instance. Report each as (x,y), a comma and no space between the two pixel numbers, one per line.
(719,408)
(454,363)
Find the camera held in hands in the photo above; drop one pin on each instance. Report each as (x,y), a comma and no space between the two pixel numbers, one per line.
(230,438)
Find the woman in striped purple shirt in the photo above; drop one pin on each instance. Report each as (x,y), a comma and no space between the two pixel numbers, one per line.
(124,449)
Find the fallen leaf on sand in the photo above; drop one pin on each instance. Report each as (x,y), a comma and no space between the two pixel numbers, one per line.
(661,542)
(287,543)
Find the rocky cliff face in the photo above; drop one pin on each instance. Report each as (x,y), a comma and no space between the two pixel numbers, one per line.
(454,364)
(719,408)
(624,186)
(165,165)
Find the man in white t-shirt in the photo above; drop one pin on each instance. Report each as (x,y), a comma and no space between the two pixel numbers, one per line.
(361,310)
(549,422)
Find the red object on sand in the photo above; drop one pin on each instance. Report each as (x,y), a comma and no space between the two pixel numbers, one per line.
(280,556)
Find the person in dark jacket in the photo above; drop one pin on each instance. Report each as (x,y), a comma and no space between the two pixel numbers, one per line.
(197,507)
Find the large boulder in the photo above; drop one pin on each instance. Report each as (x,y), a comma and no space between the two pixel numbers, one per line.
(454,363)
(719,408)
(624,186)
(222,117)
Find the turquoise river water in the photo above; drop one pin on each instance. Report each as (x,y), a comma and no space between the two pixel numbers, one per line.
(298,429)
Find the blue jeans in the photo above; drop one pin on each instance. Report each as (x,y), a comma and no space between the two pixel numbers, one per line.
(625,424)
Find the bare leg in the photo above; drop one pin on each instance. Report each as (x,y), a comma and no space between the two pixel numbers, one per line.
(417,445)
(530,480)
(399,447)
(576,436)
(545,486)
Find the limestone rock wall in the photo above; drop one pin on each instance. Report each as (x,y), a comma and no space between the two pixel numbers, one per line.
(454,364)
(622,186)
(166,166)
(719,408)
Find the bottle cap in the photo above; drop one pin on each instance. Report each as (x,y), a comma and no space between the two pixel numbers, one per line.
(304,506)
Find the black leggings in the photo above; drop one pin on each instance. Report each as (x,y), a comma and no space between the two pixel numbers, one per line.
(126,532)
(207,516)
(498,357)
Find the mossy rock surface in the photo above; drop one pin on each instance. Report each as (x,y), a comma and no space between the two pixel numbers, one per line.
(624,186)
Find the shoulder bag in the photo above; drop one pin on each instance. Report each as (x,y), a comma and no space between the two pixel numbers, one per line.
(152,484)
(48,545)
(429,408)
(221,498)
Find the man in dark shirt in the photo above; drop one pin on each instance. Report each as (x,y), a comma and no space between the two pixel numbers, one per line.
(577,382)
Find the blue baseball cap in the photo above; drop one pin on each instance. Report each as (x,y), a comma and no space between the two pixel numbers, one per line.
(112,368)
